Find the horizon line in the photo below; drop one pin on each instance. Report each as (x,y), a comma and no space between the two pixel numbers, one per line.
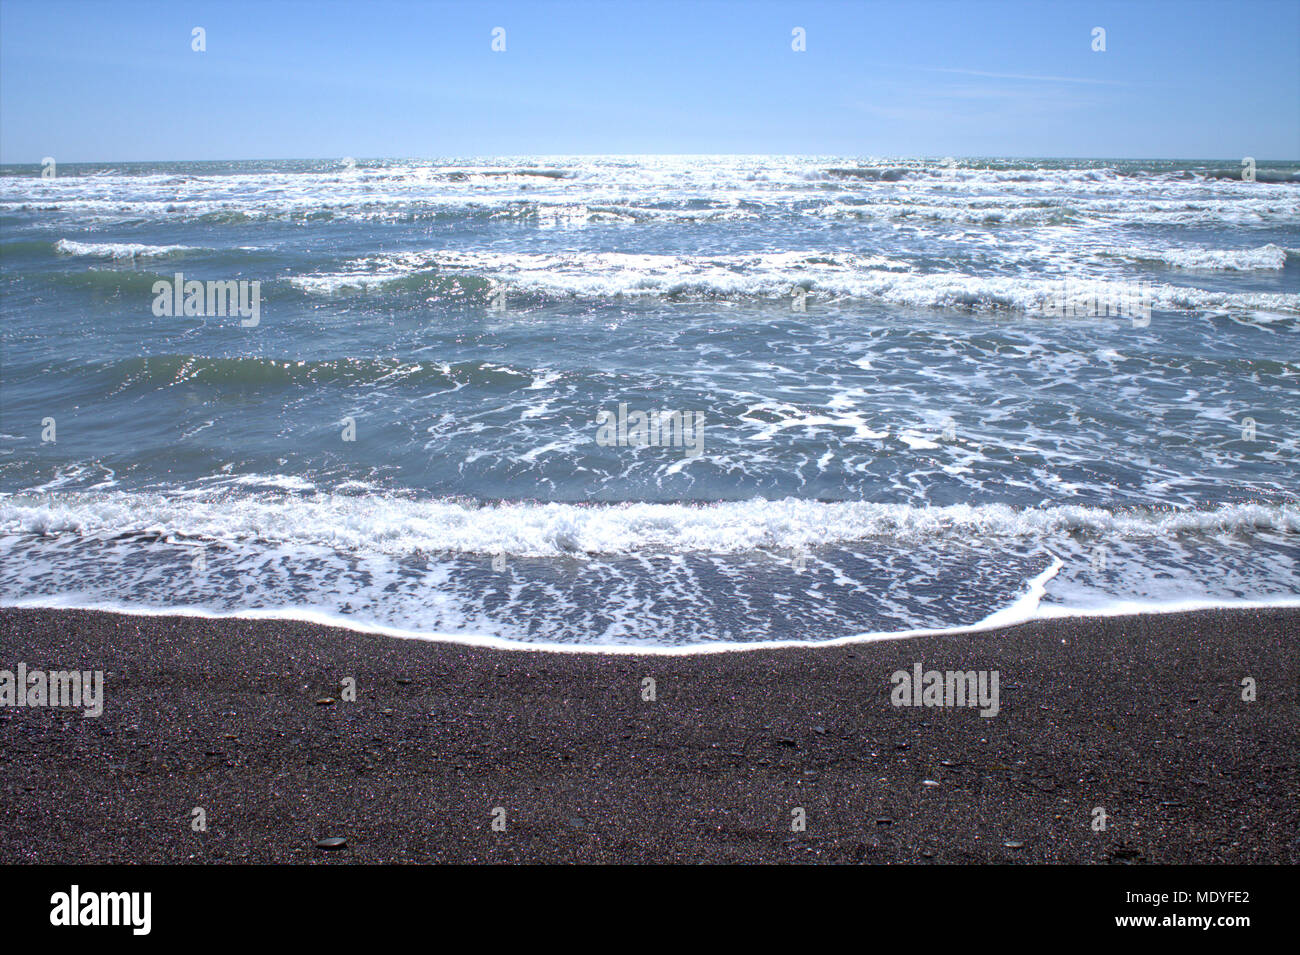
(627,155)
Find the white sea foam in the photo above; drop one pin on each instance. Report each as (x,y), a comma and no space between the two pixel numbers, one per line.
(119,250)
(1025,608)
(398,525)
(604,275)
(1265,257)
(653,189)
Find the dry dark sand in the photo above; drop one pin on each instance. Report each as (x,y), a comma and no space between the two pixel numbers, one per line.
(1140,715)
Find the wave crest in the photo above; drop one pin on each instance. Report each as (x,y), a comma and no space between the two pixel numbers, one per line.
(394,525)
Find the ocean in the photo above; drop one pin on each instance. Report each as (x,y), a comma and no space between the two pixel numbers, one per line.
(659,403)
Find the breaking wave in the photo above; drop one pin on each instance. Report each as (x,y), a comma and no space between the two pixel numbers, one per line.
(395,525)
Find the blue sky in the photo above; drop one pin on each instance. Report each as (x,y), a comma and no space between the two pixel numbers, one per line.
(114,81)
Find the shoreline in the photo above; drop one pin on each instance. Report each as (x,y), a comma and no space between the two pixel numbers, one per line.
(1139,715)
(1009,616)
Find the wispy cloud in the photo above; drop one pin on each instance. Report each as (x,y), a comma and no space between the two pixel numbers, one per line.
(1022,76)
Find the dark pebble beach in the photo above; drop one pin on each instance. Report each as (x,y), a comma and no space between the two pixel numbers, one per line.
(249,720)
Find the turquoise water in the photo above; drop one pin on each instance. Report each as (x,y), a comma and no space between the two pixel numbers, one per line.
(898,425)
